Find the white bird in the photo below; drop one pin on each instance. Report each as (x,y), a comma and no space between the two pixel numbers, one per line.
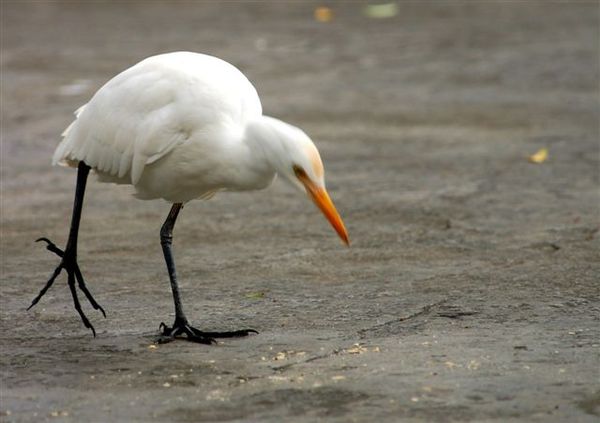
(181,126)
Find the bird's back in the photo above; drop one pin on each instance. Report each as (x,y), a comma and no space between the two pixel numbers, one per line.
(159,104)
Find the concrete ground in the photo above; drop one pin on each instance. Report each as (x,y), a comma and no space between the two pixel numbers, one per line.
(470,291)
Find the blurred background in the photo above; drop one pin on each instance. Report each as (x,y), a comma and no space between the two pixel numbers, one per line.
(461,143)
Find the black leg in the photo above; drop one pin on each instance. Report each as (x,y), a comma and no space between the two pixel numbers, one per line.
(181,325)
(69,255)
(166,240)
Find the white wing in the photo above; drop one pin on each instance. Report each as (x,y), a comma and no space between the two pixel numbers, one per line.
(145,112)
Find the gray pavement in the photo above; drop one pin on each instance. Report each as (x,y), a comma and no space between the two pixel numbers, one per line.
(470,291)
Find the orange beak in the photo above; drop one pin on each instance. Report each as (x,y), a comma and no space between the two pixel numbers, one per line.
(324,203)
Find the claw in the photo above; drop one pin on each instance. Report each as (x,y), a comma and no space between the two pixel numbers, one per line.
(84,319)
(51,246)
(194,335)
(170,333)
(73,274)
(88,294)
(232,334)
(46,287)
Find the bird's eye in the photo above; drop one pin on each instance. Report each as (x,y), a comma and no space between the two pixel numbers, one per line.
(300,173)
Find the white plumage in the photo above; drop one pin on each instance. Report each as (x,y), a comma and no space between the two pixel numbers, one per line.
(181,126)
(184,125)
(170,107)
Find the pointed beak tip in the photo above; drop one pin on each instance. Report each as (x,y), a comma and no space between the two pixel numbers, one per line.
(321,198)
(339,227)
(344,237)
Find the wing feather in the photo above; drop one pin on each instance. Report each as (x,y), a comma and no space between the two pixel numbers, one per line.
(142,114)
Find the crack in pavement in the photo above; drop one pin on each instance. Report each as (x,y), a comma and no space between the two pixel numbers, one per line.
(308,360)
(362,333)
(423,310)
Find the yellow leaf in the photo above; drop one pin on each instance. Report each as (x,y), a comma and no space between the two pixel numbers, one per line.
(323,14)
(540,156)
(381,11)
(356,349)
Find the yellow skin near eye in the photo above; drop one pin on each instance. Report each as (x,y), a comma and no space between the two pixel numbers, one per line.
(315,160)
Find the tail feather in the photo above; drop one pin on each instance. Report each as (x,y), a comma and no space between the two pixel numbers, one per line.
(61,154)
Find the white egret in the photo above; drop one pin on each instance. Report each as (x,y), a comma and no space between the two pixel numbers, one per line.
(181,126)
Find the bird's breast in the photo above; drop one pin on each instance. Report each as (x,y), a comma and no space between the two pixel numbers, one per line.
(204,164)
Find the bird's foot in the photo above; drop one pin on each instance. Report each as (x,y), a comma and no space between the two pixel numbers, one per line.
(181,327)
(69,264)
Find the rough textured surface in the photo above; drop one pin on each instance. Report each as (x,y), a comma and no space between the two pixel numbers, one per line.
(471,287)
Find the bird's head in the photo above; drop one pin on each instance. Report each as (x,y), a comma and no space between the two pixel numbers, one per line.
(295,157)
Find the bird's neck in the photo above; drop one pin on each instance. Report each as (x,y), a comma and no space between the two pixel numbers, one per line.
(257,161)
(271,145)
(269,139)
